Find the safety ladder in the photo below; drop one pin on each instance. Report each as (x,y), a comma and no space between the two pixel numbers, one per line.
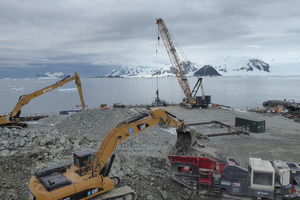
(205,178)
(217,189)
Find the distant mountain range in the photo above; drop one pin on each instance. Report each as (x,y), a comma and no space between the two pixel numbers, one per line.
(233,66)
(49,75)
(225,66)
(229,66)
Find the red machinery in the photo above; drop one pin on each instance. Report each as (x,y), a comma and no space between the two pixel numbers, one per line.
(262,179)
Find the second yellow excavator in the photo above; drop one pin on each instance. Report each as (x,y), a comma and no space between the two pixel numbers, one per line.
(89,176)
(13,117)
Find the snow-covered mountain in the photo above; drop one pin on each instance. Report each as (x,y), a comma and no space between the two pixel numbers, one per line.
(226,66)
(49,75)
(189,69)
(232,66)
(139,71)
(143,71)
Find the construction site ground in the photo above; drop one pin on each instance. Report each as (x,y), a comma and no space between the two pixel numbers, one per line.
(141,161)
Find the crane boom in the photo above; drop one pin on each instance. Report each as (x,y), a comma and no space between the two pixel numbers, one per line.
(191,99)
(175,61)
(25,99)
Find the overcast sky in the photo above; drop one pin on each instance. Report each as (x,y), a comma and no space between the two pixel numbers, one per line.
(90,35)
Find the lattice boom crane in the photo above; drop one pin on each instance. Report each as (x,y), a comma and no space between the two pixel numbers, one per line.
(178,68)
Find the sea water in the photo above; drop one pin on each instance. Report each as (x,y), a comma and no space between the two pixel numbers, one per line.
(236,92)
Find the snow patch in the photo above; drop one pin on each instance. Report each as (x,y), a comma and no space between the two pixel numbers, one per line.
(17,89)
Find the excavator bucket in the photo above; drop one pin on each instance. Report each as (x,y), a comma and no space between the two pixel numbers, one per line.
(185,139)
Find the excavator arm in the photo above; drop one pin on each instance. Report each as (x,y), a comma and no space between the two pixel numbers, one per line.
(25,99)
(129,128)
(88,176)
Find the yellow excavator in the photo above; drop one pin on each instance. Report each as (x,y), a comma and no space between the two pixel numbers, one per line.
(13,117)
(89,176)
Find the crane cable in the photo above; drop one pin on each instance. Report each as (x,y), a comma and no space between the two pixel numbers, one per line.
(157,44)
(179,48)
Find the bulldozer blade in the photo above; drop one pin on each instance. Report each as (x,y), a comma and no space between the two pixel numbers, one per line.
(185,139)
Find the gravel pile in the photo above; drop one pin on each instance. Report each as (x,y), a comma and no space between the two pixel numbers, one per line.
(93,123)
(141,160)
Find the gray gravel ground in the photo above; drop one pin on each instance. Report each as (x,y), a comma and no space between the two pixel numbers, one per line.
(141,160)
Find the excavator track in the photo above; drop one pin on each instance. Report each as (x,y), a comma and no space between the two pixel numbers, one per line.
(15,125)
(120,193)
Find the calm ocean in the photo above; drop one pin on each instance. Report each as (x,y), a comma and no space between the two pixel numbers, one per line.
(237,92)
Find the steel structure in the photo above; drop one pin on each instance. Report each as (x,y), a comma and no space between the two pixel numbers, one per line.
(191,99)
(175,61)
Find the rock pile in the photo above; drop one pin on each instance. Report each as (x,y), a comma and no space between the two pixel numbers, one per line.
(140,162)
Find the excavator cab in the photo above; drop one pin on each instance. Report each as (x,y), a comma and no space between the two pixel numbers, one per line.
(84,158)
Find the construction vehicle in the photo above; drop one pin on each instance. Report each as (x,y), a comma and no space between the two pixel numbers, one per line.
(89,176)
(118,105)
(158,101)
(190,100)
(262,179)
(104,107)
(13,117)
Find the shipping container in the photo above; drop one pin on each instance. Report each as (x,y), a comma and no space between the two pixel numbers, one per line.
(253,125)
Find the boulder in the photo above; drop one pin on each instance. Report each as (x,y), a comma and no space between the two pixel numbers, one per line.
(17,142)
(23,133)
(16,133)
(32,135)
(42,142)
(63,140)
(57,151)
(50,140)
(22,142)
(150,197)
(164,195)
(76,146)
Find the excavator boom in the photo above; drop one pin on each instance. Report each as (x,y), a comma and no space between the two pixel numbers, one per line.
(25,99)
(88,176)
(129,128)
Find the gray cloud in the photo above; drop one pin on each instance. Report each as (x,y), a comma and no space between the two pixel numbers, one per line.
(37,34)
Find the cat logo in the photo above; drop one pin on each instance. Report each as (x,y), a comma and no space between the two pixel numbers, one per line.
(142,126)
(91,192)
